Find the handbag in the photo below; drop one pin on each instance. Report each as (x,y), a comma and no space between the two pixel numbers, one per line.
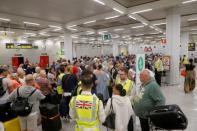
(183,73)
(110,119)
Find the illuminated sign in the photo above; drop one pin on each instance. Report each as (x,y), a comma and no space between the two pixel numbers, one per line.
(20,46)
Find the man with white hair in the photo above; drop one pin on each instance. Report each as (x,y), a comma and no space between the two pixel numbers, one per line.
(150,96)
(37,74)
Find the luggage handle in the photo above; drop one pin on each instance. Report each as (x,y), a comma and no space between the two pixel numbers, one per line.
(51,118)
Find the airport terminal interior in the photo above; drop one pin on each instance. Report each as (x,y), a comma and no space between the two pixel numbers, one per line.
(98,65)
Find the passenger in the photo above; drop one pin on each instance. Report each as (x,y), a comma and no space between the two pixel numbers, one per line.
(158,69)
(44,85)
(29,123)
(122,79)
(51,77)
(5,90)
(147,98)
(59,80)
(90,69)
(103,81)
(86,109)
(121,107)
(21,75)
(37,74)
(15,81)
(190,77)
(69,83)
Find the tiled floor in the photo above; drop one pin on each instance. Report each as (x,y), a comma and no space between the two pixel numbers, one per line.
(174,95)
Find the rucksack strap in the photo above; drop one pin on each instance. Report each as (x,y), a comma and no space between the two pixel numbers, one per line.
(32,93)
(17,92)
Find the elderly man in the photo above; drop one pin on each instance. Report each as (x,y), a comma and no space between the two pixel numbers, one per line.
(148,97)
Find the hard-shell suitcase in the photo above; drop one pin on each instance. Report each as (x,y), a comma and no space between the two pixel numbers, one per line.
(12,125)
(169,117)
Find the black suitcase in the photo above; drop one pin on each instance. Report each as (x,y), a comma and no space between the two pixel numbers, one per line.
(52,123)
(50,117)
(169,117)
(49,110)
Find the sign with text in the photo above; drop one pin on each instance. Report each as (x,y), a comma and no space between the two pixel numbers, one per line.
(106,37)
(140,66)
(20,46)
(191,46)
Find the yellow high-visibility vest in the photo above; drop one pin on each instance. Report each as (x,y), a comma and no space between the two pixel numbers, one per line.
(159,65)
(59,87)
(126,85)
(86,108)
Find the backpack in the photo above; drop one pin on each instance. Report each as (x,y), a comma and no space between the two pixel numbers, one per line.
(21,105)
(2,91)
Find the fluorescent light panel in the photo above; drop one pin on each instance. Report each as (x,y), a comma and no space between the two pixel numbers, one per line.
(4,19)
(121,12)
(142,11)
(30,23)
(53,26)
(132,17)
(112,17)
(192,19)
(160,24)
(138,27)
(188,1)
(72,26)
(72,29)
(144,23)
(100,2)
(11,32)
(119,29)
(88,22)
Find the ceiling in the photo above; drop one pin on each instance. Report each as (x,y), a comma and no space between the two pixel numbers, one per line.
(66,13)
(131,3)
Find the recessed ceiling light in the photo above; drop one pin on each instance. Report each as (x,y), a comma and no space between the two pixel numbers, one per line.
(192,19)
(144,23)
(121,12)
(138,27)
(100,2)
(4,19)
(112,17)
(74,36)
(30,23)
(188,1)
(142,11)
(160,24)
(120,29)
(88,22)
(72,26)
(132,17)
(9,32)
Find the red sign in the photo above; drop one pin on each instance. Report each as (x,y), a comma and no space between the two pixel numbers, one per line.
(163,41)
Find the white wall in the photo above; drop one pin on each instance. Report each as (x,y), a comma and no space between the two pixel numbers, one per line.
(32,54)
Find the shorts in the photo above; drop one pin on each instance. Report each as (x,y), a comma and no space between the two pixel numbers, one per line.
(29,122)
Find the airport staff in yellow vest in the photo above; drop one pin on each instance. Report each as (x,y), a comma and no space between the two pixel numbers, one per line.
(59,81)
(86,109)
(122,79)
(158,69)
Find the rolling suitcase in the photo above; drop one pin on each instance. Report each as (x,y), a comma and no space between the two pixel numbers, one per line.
(168,117)
(50,117)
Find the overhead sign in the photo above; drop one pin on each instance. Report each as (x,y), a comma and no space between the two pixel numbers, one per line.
(191,46)
(106,37)
(140,66)
(148,49)
(20,46)
(163,41)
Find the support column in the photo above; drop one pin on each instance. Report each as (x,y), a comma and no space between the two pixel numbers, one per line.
(184,43)
(173,43)
(130,48)
(68,45)
(115,49)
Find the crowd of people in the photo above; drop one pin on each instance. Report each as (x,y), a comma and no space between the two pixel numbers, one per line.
(89,90)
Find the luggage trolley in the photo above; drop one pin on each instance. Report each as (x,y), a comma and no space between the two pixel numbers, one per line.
(168,117)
